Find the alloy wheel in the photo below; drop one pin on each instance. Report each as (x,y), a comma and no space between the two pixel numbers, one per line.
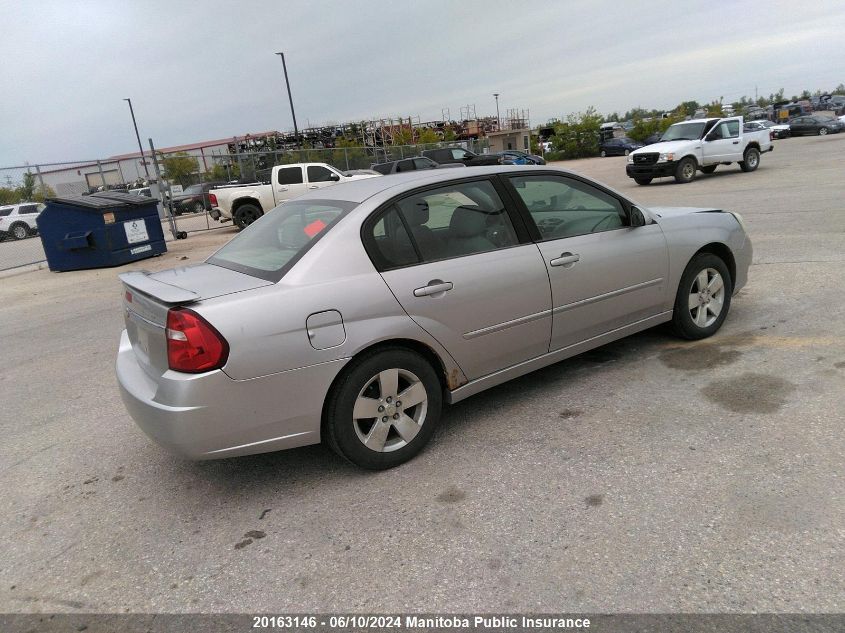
(390,410)
(706,297)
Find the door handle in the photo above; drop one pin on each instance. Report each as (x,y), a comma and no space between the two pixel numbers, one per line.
(434,287)
(313,187)
(736,142)
(565,259)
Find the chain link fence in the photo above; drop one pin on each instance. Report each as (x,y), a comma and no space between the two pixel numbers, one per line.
(186,178)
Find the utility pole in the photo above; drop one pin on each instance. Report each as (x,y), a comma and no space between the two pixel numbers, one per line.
(498,119)
(290,98)
(137,136)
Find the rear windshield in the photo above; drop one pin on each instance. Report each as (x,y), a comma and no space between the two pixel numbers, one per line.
(268,247)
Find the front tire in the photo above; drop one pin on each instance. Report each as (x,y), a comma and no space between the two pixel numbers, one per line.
(643,181)
(198,207)
(822,131)
(685,172)
(384,409)
(603,153)
(703,298)
(246,214)
(19,231)
(751,160)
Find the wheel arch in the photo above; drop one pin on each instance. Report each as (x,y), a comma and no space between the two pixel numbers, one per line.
(723,252)
(447,380)
(753,144)
(239,202)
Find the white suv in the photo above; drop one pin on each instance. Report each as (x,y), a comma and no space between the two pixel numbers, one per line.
(18,220)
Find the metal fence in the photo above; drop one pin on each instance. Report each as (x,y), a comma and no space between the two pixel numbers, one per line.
(183,177)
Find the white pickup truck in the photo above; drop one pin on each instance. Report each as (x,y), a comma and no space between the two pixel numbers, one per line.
(244,204)
(699,144)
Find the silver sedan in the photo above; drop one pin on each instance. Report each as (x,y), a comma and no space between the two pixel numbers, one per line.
(351,315)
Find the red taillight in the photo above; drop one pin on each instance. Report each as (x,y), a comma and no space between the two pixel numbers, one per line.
(193,345)
(212,200)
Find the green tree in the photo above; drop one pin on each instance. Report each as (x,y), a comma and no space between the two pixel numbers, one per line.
(8,196)
(427,136)
(578,137)
(449,135)
(179,168)
(219,171)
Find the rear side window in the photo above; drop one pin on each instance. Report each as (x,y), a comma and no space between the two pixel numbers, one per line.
(269,247)
(290,176)
(28,209)
(453,221)
(391,245)
(405,165)
(316,173)
(423,163)
(383,168)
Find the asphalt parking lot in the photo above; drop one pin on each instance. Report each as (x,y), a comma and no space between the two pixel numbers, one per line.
(650,475)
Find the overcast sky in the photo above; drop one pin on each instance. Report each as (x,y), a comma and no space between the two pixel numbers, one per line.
(205,70)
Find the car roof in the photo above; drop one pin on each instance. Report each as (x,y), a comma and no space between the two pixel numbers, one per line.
(364,188)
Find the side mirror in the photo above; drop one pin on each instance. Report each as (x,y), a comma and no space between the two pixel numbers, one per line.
(334,177)
(637,217)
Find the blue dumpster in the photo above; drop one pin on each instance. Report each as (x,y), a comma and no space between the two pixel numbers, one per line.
(108,228)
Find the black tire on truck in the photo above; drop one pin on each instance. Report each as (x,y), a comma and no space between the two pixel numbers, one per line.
(750,160)
(644,180)
(685,171)
(246,214)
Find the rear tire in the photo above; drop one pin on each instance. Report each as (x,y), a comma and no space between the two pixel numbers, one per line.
(703,298)
(373,385)
(246,214)
(685,171)
(643,181)
(603,153)
(750,160)
(198,207)
(822,131)
(709,169)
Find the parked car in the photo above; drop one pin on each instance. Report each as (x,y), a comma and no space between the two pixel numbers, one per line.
(814,124)
(653,138)
(409,164)
(194,199)
(780,130)
(518,157)
(244,204)
(621,146)
(18,221)
(349,315)
(701,144)
(446,155)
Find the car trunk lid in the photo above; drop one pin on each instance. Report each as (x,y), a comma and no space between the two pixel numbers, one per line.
(149,296)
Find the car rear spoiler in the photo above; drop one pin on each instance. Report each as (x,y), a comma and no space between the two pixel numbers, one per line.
(166,293)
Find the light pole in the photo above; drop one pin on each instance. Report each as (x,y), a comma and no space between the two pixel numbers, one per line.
(498,120)
(290,98)
(138,136)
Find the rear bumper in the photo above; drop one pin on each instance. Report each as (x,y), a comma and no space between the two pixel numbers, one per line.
(211,416)
(655,170)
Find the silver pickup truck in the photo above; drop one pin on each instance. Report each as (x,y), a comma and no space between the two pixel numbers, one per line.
(699,144)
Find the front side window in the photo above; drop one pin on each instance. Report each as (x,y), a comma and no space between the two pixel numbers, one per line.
(459,154)
(563,207)
(290,176)
(268,247)
(318,173)
(424,163)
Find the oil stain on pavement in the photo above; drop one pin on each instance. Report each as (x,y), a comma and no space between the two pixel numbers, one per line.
(750,393)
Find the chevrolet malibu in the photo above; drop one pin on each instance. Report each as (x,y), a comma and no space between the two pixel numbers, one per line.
(351,315)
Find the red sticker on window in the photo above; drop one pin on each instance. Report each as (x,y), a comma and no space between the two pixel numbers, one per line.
(315,227)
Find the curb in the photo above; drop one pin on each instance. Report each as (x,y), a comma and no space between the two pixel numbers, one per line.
(20,270)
